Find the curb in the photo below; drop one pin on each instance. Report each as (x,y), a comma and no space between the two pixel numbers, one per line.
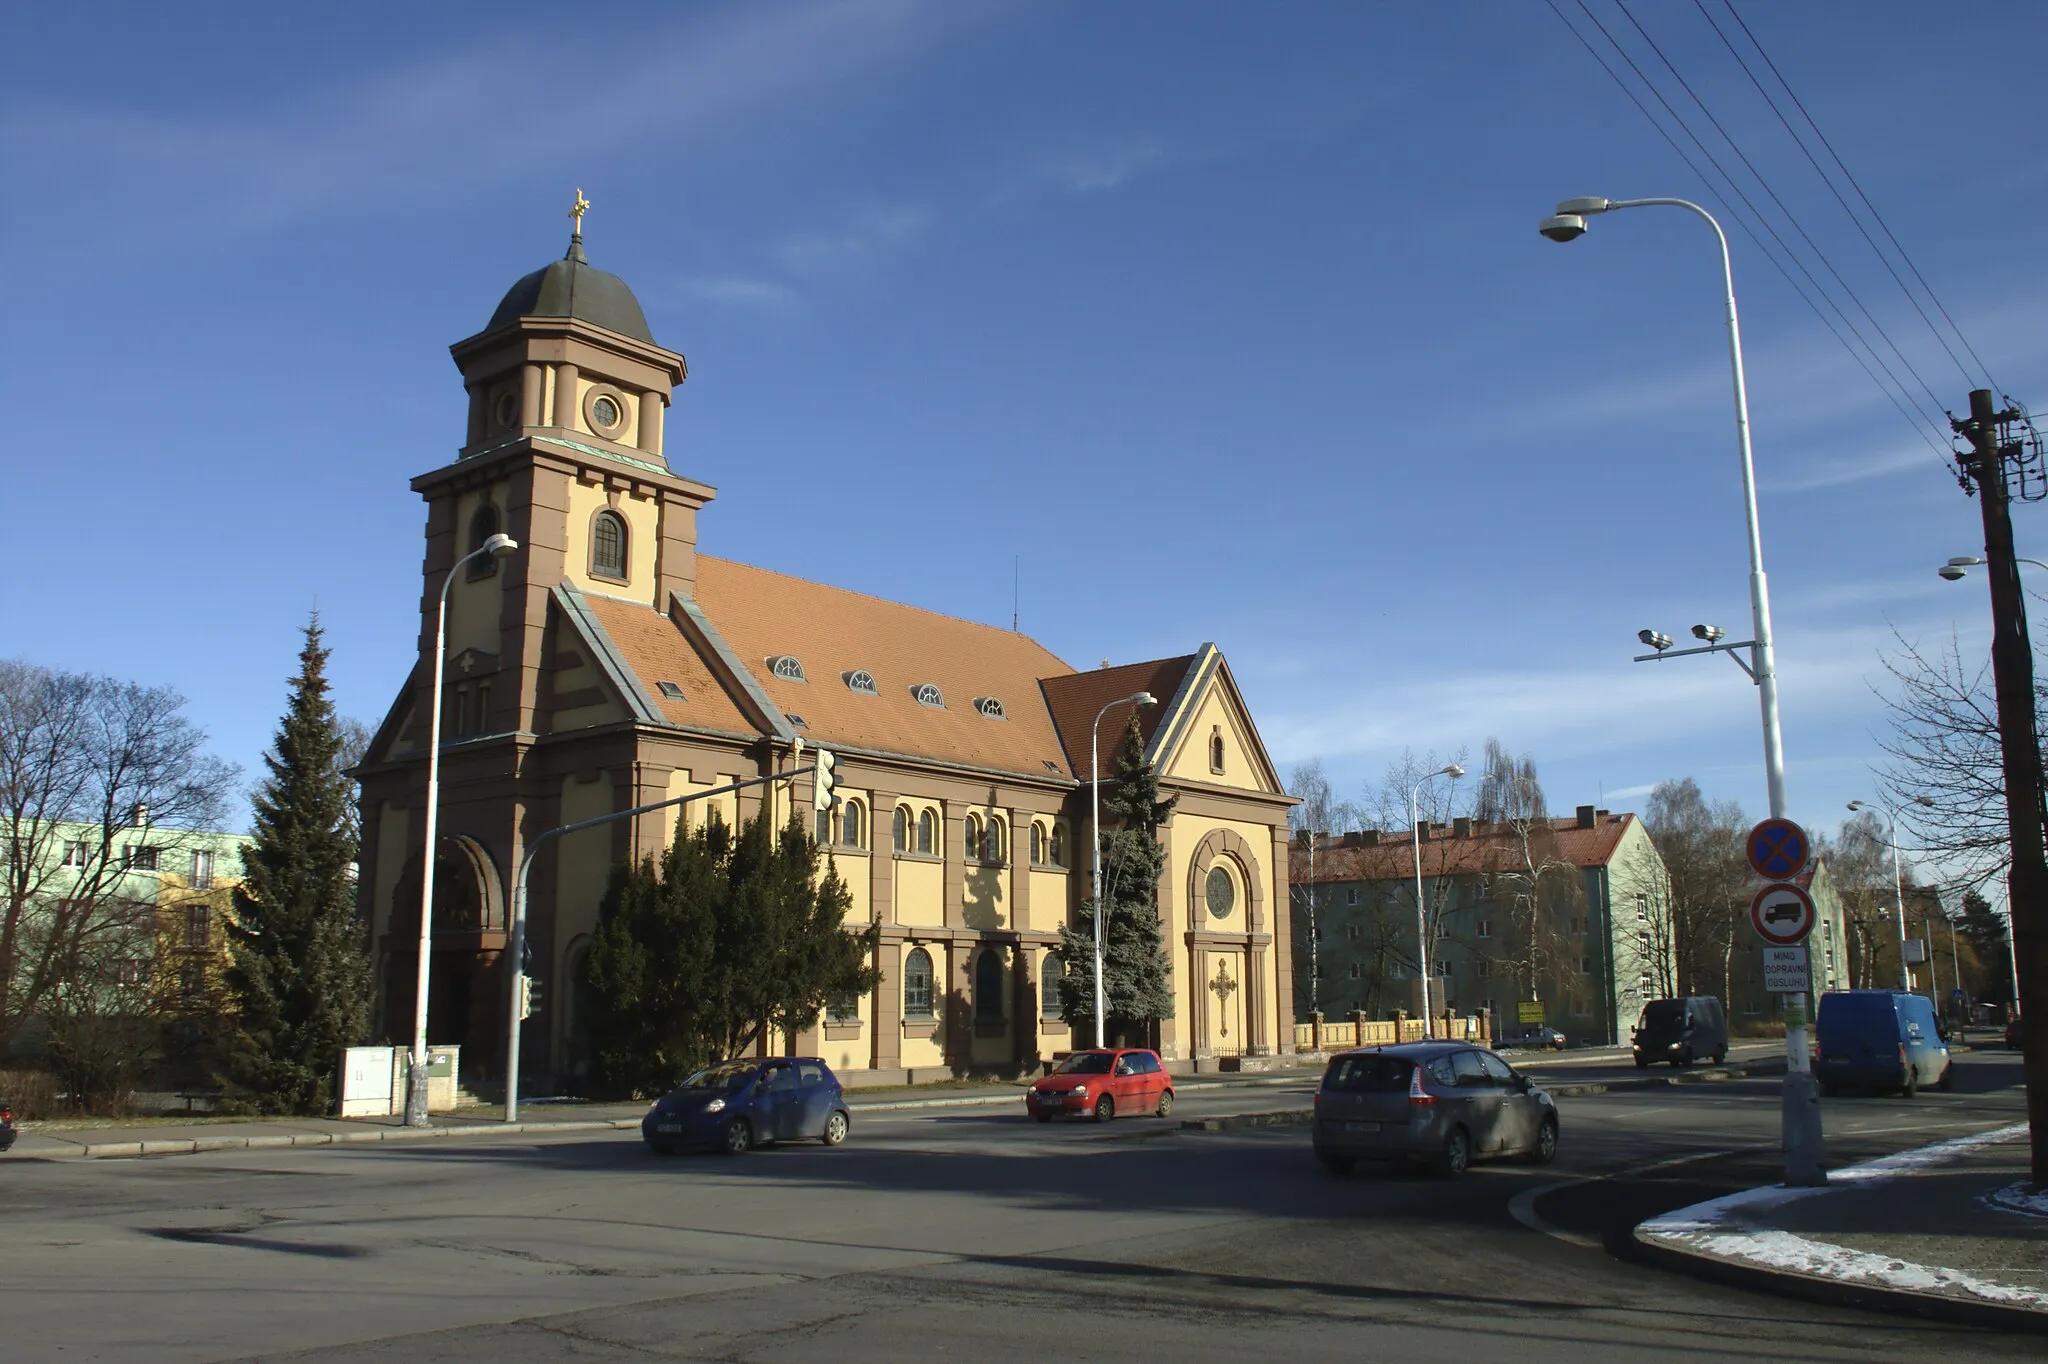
(1835,1293)
(1286,1117)
(186,1146)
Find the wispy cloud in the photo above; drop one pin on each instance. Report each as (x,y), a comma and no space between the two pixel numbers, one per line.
(439,128)
(863,233)
(1836,471)
(1105,167)
(742,291)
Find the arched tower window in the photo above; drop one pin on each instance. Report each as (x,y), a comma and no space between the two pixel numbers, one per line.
(850,821)
(988,986)
(917,984)
(992,841)
(1037,844)
(899,829)
(608,546)
(1056,846)
(924,831)
(1216,750)
(970,837)
(482,526)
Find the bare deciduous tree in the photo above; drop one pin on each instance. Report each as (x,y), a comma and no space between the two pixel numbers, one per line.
(1701,844)
(1319,814)
(123,761)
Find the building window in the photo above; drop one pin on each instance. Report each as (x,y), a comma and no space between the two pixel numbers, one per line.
(131,972)
(192,980)
(1642,905)
(862,681)
(787,667)
(823,833)
(924,831)
(608,546)
(1351,932)
(928,694)
(1484,968)
(1351,895)
(850,825)
(970,833)
(74,854)
(917,984)
(482,526)
(988,987)
(899,829)
(1049,975)
(197,923)
(202,869)
(1056,846)
(1216,750)
(1443,968)
(1486,928)
(993,840)
(1037,844)
(843,1008)
(991,706)
(1356,970)
(1585,966)
(138,857)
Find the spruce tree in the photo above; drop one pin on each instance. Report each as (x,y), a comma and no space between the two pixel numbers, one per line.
(1134,970)
(300,975)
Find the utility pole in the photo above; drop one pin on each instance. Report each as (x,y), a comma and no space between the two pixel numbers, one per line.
(2012,673)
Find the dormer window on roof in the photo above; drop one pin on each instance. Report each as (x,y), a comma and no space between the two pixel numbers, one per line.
(991,706)
(671,690)
(796,721)
(928,694)
(862,681)
(786,667)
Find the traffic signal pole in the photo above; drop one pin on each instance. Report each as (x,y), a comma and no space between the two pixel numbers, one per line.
(2012,673)
(823,798)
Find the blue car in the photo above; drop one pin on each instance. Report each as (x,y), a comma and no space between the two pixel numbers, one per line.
(737,1105)
(1879,1040)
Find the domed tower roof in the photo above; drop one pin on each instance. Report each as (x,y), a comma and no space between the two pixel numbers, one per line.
(569,287)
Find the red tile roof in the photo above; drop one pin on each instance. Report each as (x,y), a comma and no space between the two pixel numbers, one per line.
(1076,698)
(655,649)
(1490,849)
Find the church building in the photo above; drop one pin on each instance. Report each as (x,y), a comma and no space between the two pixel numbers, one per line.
(607,663)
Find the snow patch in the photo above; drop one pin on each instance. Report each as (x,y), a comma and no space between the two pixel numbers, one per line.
(2018,1197)
(1782,1250)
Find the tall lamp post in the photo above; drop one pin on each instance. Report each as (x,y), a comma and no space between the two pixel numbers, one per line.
(1891,819)
(1421,918)
(1802,1126)
(1136,698)
(497,547)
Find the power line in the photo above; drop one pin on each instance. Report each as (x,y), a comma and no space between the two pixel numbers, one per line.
(1790,217)
(1889,391)
(1850,176)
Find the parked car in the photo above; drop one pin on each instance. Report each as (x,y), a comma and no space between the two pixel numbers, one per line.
(738,1105)
(1103,1083)
(1879,1040)
(7,1129)
(1681,1031)
(1545,1037)
(1443,1103)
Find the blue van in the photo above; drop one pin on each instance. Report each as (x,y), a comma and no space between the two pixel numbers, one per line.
(1880,1040)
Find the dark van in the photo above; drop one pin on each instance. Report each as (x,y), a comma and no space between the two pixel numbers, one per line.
(1681,1031)
(1879,1040)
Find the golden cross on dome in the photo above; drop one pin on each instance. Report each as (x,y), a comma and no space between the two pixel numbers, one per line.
(578,209)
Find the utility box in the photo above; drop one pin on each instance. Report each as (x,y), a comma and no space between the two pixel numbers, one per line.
(374,1080)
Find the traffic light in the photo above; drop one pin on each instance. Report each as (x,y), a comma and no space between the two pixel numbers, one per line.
(529,996)
(823,794)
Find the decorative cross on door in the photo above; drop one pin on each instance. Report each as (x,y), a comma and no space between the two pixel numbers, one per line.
(1223,987)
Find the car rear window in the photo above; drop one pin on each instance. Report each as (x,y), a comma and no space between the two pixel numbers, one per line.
(1368,1075)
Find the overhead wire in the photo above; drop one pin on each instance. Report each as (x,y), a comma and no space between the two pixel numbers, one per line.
(1784,208)
(1857,186)
(1891,390)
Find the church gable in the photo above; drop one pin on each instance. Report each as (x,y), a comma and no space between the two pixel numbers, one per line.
(1210,740)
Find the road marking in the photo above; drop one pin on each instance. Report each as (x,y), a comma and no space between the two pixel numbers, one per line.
(1522,1207)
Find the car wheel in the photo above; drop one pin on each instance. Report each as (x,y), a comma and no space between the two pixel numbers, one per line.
(1545,1149)
(1105,1109)
(1642,1063)
(1721,1057)
(835,1129)
(739,1137)
(1166,1103)
(1456,1155)
(1912,1086)
(1336,1164)
(1682,1060)
(1947,1081)
(661,1148)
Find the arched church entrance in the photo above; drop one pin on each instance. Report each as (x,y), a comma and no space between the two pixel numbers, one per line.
(466,992)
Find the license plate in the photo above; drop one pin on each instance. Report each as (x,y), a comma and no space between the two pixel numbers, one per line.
(668,1127)
(1362,1127)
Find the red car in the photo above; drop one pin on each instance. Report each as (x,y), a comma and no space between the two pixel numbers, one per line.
(1103,1083)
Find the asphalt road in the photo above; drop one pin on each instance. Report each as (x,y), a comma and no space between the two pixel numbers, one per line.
(962,1234)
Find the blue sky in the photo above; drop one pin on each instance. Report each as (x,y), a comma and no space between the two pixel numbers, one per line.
(1222,322)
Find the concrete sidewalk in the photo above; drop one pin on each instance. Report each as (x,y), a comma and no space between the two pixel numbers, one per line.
(1946,1231)
(172,1136)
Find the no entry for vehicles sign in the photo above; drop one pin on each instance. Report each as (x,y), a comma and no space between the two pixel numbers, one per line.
(1782,914)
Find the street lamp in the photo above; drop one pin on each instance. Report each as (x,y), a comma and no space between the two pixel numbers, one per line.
(1139,699)
(497,547)
(1898,880)
(1958,567)
(1422,920)
(1802,1132)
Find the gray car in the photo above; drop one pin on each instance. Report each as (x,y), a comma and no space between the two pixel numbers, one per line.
(1444,1103)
